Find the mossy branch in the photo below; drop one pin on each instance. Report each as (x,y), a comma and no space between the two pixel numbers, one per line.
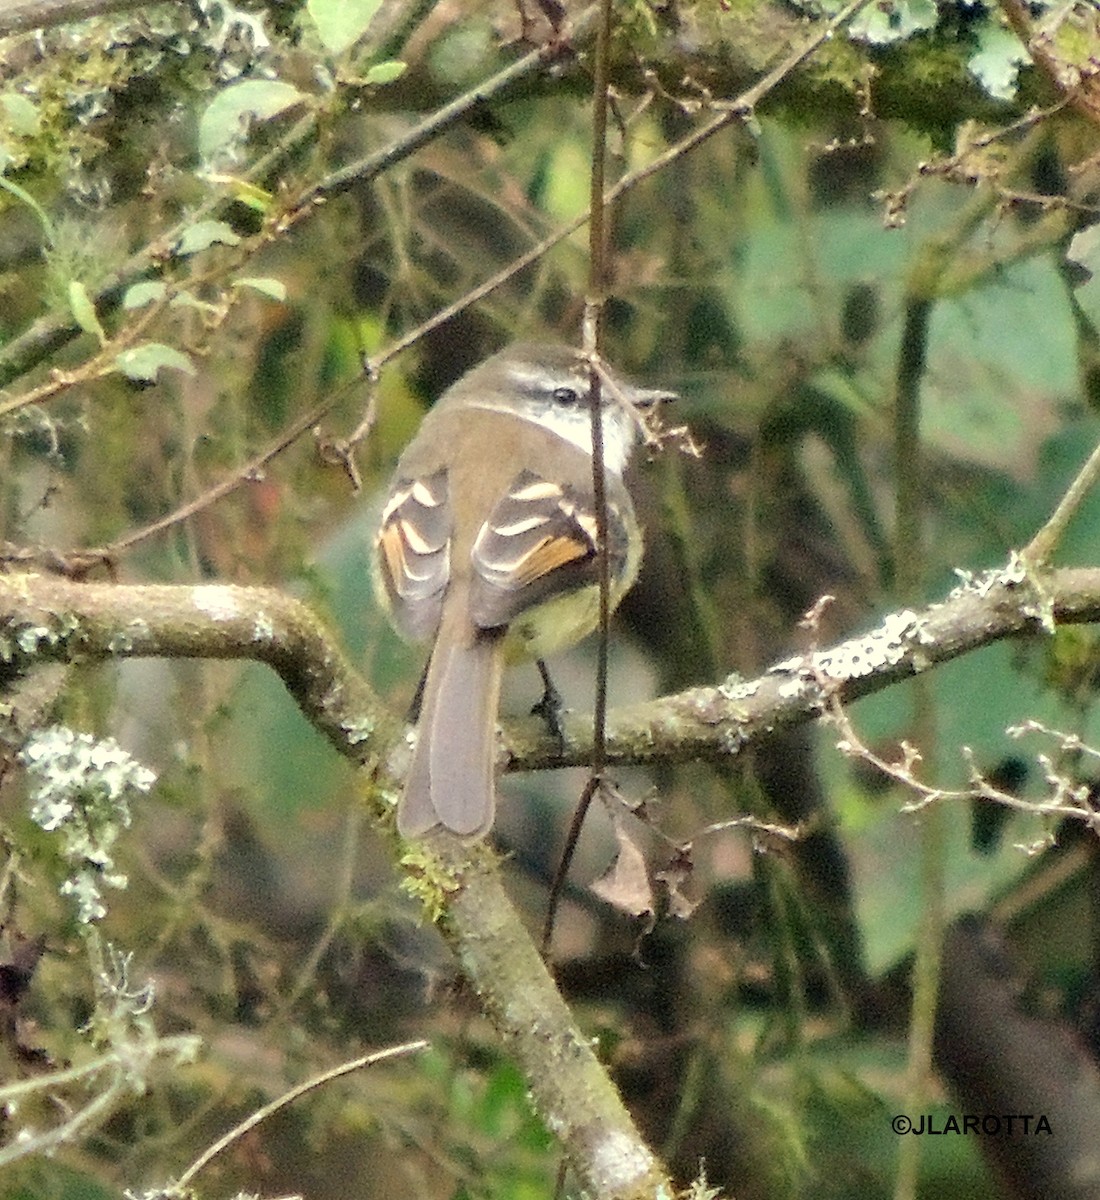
(48,619)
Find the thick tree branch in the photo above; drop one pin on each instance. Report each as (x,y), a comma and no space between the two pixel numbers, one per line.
(716,722)
(570,1089)
(45,618)
(49,619)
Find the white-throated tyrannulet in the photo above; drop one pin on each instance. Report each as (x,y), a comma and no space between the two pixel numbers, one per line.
(488,543)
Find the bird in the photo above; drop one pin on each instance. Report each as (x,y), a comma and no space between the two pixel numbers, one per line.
(488,544)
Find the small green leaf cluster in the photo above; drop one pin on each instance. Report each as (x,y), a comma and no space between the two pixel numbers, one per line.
(143,361)
(995,53)
(339,26)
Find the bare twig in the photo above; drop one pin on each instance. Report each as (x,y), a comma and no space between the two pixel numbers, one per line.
(1068,798)
(593,345)
(288,1097)
(1038,551)
(249,473)
(1079,95)
(739,109)
(50,333)
(365,169)
(598,272)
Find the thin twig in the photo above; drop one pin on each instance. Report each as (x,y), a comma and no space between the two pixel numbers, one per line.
(909,559)
(557,884)
(355,174)
(601,200)
(737,110)
(598,273)
(251,471)
(1041,50)
(50,333)
(593,346)
(1038,551)
(267,1110)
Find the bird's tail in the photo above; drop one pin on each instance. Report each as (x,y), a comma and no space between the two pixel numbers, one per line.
(451,779)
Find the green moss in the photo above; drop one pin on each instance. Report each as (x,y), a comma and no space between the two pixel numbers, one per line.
(427,880)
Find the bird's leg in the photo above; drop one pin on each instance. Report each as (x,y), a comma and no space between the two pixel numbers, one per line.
(551,707)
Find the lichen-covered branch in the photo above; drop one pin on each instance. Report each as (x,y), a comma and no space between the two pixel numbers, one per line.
(715,722)
(569,1088)
(46,618)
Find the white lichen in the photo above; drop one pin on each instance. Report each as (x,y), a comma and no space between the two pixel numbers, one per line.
(216,602)
(263,628)
(80,789)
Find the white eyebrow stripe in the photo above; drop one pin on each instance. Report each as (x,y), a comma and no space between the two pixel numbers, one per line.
(538,377)
(573,426)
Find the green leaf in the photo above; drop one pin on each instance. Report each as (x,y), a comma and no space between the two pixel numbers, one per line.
(83,310)
(226,115)
(142,362)
(20,114)
(341,23)
(203,235)
(893,21)
(141,294)
(30,202)
(998,61)
(385,72)
(274,289)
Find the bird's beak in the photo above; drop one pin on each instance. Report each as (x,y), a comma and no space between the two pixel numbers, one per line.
(650,399)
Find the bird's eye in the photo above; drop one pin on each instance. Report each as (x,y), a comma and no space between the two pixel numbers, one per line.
(566,396)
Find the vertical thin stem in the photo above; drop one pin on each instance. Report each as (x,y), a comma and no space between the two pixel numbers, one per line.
(926,282)
(910,572)
(908,541)
(593,330)
(593,343)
